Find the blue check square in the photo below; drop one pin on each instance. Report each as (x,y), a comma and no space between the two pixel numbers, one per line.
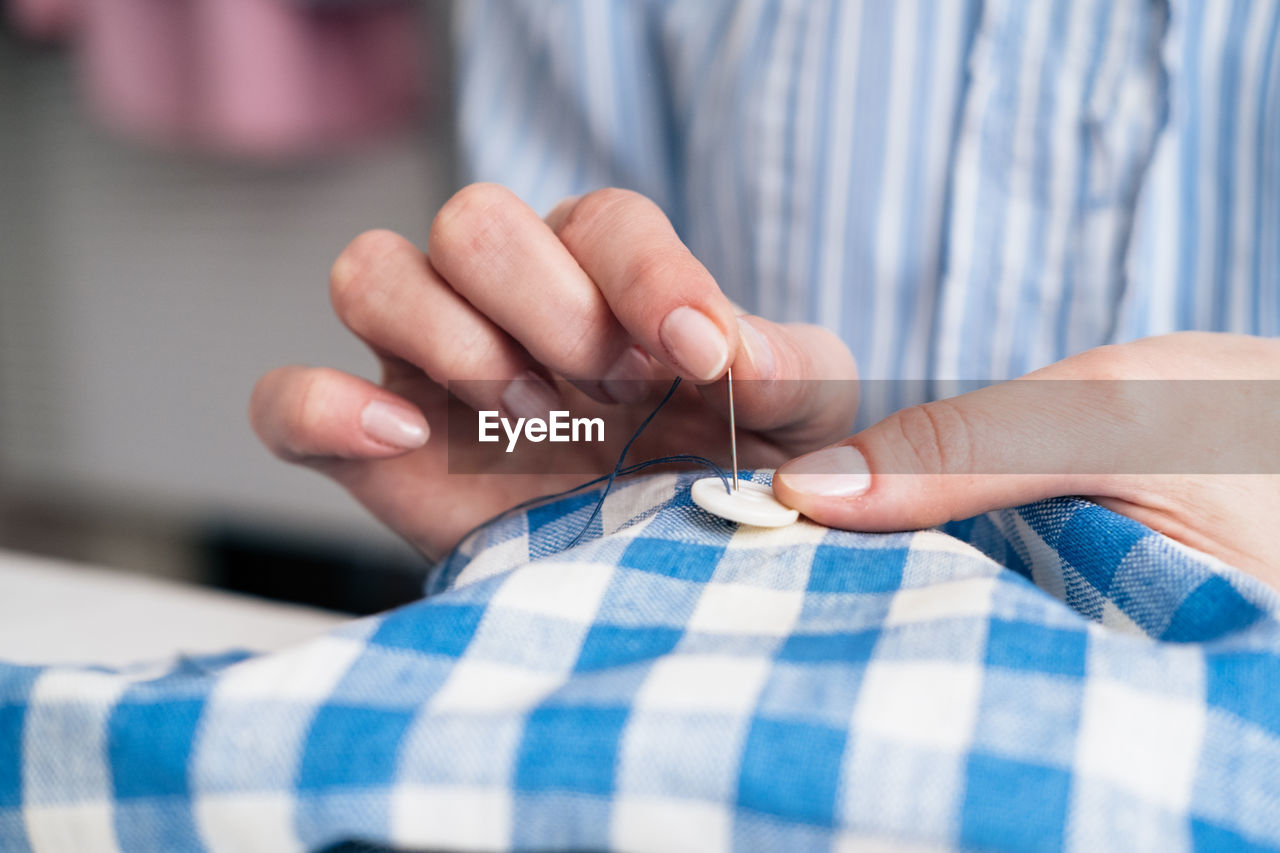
(673,559)
(350,746)
(845,570)
(570,749)
(148,744)
(1036,648)
(431,627)
(608,646)
(1000,789)
(791,769)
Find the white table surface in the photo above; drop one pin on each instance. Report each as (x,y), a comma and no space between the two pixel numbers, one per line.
(59,612)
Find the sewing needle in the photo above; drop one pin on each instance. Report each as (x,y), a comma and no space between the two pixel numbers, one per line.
(749,502)
(733,433)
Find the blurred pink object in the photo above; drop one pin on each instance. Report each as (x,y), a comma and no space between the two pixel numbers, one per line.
(264,78)
(138,64)
(44,20)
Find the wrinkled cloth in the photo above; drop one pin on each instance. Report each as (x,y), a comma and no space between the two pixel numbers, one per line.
(1054,676)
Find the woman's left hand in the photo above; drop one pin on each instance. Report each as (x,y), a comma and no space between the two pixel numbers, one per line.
(1197,460)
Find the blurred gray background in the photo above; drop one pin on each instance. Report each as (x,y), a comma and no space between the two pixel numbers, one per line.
(142,292)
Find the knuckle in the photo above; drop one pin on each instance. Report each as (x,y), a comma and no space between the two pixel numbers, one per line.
(597,210)
(823,355)
(651,284)
(643,270)
(938,437)
(469,219)
(357,274)
(308,413)
(472,357)
(467,362)
(1108,383)
(1187,337)
(1109,363)
(262,398)
(287,408)
(579,355)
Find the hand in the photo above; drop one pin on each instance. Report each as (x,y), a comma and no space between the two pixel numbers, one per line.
(1194,460)
(601,293)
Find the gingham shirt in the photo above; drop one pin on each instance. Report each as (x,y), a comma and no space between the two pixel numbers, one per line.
(1055,677)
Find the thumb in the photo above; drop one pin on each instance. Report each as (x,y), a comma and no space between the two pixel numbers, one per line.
(950,459)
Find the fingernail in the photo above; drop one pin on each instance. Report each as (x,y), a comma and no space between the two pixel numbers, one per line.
(394,425)
(696,343)
(758,349)
(834,472)
(626,380)
(530,396)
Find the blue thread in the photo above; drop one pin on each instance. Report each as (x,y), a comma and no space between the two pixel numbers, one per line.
(618,471)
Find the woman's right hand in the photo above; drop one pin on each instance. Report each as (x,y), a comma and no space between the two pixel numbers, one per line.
(601,293)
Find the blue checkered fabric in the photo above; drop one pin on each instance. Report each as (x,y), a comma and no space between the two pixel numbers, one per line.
(1050,677)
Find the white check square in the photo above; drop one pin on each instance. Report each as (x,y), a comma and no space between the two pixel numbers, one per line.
(637,497)
(928,703)
(77,826)
(658,823)
(1140,742)
(52,770)
(853,842)
(448,817)
(563,590)
(958,599)
(494,560)
(703,683)
(305,673)
(733,608)
(481,686)
(256,822)
(803,532)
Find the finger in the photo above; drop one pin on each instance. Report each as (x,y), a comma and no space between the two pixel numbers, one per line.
(502,258)
(385,290)
(950,459)
(630,376)
(663,297)
(307,414)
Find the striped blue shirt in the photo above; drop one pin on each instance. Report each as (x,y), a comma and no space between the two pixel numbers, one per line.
(960,189)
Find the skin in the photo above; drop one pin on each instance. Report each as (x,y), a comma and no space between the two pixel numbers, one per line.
(500,293)
(1197,460)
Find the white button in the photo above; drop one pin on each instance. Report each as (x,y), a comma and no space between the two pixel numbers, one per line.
(752,504)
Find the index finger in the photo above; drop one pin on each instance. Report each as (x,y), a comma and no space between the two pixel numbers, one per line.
(660,293)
